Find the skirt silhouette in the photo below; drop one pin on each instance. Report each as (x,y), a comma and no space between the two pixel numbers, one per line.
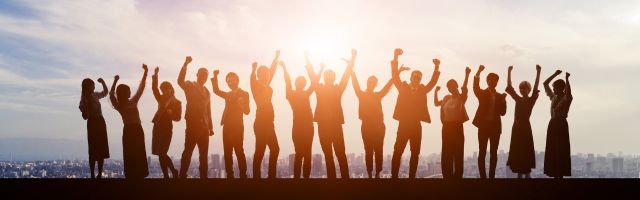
(133,151)
(161,139)
(522,156)
(557,157)
(97,138)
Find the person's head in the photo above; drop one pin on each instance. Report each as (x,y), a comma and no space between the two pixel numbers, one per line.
(329,77)
(232,80)
(372,82)
(300,83)
(202,74)
(263,74)
(167,88)
(87,86)
(416,77)
(452,86)
(559,86)
(492,80)
(123,92)
(525,88)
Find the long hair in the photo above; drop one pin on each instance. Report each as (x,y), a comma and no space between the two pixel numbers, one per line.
(87,89)
(123,92)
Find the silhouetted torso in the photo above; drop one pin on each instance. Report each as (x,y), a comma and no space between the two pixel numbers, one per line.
(329,104)
(262,95)
(129,112)
(560,105)
(370,106)
(301,107)
(92,105)
(198,102)
(411,104)
(232,110)
(166,103)
(453,109)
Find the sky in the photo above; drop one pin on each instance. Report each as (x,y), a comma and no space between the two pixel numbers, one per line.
(48,47)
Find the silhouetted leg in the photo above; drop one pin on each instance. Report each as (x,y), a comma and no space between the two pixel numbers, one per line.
(239,149)
(415,144)
(482,143)
(163,166)
(92,167)
(398,149)
(203,150)
(297,166)
(445,156)
(189,145)
(339,148)
(274,151)
(168,165)
(100,166)
(227,147)
(258,155)
(306,169)
(368,147)
(458,156)
(493,160)
(327,149)
(377,149)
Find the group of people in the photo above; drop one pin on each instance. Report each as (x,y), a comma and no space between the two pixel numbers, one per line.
(411,111)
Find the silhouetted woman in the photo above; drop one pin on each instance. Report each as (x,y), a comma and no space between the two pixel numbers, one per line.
(133,150)
(302,130)
(96,128)
(372,117)
(557,157)
(522,156)
(169,109)
(453,114)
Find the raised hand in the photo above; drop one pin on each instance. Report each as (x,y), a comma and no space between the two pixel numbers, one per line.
(511,68)
(144,66)
(354,53)
(254,66)
(282,64)
(403,68)
(467,70)
(538,68)
(155,71)
(481,68)
(100,80)
(437,89)
(116,78)
(397,52)
(558,72)
(436,62)
(567,74)
(216,72)
(188,60)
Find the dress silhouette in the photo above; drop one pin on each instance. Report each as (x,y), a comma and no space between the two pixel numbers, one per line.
(236,104)
(453,114)
(96,128)
(522,156)
(491,106)
(198,119)
(372,117)
(263,127)
(410,111)
(302,130)
(133,148)
(557,157)
(330,118)
(169,110)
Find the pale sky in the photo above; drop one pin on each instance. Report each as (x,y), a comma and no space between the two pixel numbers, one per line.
(48,47)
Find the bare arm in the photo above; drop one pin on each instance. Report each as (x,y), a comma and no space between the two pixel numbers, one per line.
(385,90)
(535,85)
(183,72)
(253,80)
(347,72)
(143,83)
(112,93)
(436,101)
(434,77)
(395,71)
(287,80)
(547,89)
(274,66)
(465,90)
(214,85)
(105,90)
(476,81)
(567,90)
(510,89)
(154,84)
(356,85)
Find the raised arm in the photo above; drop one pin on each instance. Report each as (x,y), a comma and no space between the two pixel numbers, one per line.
(274,66)
(547,89)
(214,85)
(567,90)
(112,93)
(154,84)
(253,80)
(143,83)
(436,101)
(356,85)
(434,77)
(347,72)
(535,85)
(385,90)
(183,72)
(287,80)
(395,71)
(105,90)
(510,90)
(476,81)
(465,90)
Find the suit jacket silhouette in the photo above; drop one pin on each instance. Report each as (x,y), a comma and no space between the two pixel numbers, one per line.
(484,100)
(412,101)
(232,113)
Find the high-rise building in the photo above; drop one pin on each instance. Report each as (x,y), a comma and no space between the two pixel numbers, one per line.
(317,166)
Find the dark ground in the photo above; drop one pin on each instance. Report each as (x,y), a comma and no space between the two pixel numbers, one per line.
(319,189)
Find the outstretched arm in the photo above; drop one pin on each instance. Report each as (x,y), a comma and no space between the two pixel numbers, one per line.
(476,81)
(434,77)
(385,90)
(510,89)
(154,84)
(253,80)
(112,93)
(465,90)
(143,82)
(436,101)
(287,80)
(535,85)
(355,84)
(567,90)
(274,66)
(348,70)
(183,72)
(214,85)
(547,89)
(105,90)
(395,71)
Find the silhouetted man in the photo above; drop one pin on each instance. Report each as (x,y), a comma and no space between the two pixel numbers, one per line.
(372,128)
(330,118)
(198,119)
(491,106)
(410,111)
(302,130)
(263,126)
(236,103)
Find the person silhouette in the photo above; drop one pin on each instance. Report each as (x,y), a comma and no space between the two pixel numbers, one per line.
(302,130)
(410,111)
(522,156)
(169,109)
(96,128)
(330,118)
(198,119)
(491,106)
(372,117)
(133,148)
(263,126)
(557,157)
(236,103)
(453,114)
